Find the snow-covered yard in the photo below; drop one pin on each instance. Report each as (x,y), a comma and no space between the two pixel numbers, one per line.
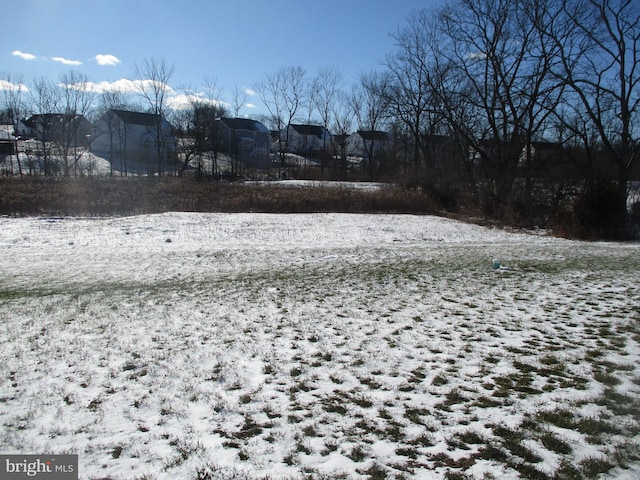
(327,345)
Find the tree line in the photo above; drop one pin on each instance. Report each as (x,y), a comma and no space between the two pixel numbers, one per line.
(527,109)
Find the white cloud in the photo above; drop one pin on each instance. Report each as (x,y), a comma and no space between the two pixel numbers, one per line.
(249,105)
(107,60)
(66,61)
(4,85)
(22,55)
(124,85)
(175,101)
(477,56)
(184,101)
(250,92)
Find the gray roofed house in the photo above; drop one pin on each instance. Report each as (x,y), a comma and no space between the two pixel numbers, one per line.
(130,140)
(244,139)
(308,139)
(363,143)
(136,118)
(65,129)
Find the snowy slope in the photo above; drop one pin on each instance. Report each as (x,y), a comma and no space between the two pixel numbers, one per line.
(230,346)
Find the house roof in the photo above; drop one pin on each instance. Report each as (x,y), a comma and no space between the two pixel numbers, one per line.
(136,118)
(373,135)
(244,124)
(308,129)
(32,122)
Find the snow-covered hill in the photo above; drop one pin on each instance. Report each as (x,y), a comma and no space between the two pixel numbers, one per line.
(211,345)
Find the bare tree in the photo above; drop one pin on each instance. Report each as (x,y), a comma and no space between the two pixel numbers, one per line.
(491,74)
(198,126)
(342,125)
(325,93)
(283,93)
(206,116)
(598,44)
(44,101)
(115,100)
(76,99)
(153,77)
(239,97)
(12,89)
(411,95)
(182,120)
(369,101)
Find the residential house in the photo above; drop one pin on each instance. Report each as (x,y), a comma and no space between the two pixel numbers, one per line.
(366,143)
(243,139)
(536,154)
(131,140)
(7,140)
(541,153)
(64,129)
(308,140)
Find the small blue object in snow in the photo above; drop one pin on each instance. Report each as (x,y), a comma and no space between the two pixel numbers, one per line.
(496,264)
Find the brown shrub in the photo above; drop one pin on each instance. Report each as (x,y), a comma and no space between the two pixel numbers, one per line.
(107,196)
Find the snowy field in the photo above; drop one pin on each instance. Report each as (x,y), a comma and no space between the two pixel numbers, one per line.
(184,346)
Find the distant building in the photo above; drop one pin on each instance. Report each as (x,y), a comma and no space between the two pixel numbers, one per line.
(129,138)
(308,139)
(7,141)
(64,129)
(364,143)
(243,139)
(536,154)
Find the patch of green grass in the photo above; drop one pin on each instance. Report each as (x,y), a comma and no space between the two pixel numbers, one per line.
(393,432)
(248,430)
(619,403)
(361,400)
(424,440)
(512,441)
(593,467)
(568,471)
(486,402)
(371,382)
(334,405)
(453,397)
(560,417)
(595,428)
(525,367)
(409,452)
(375,472)
(414,415)
(471,437)
(554,443)
(529,471)
(606,378)
(357,454)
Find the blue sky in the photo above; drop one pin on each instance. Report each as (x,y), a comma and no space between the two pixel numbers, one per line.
(235,42)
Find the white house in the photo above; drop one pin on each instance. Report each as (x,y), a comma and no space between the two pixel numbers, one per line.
(246,140)
(365,143)
(131,139)
(308,139)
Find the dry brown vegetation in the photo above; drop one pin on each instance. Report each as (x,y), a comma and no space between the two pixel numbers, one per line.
(99,196)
